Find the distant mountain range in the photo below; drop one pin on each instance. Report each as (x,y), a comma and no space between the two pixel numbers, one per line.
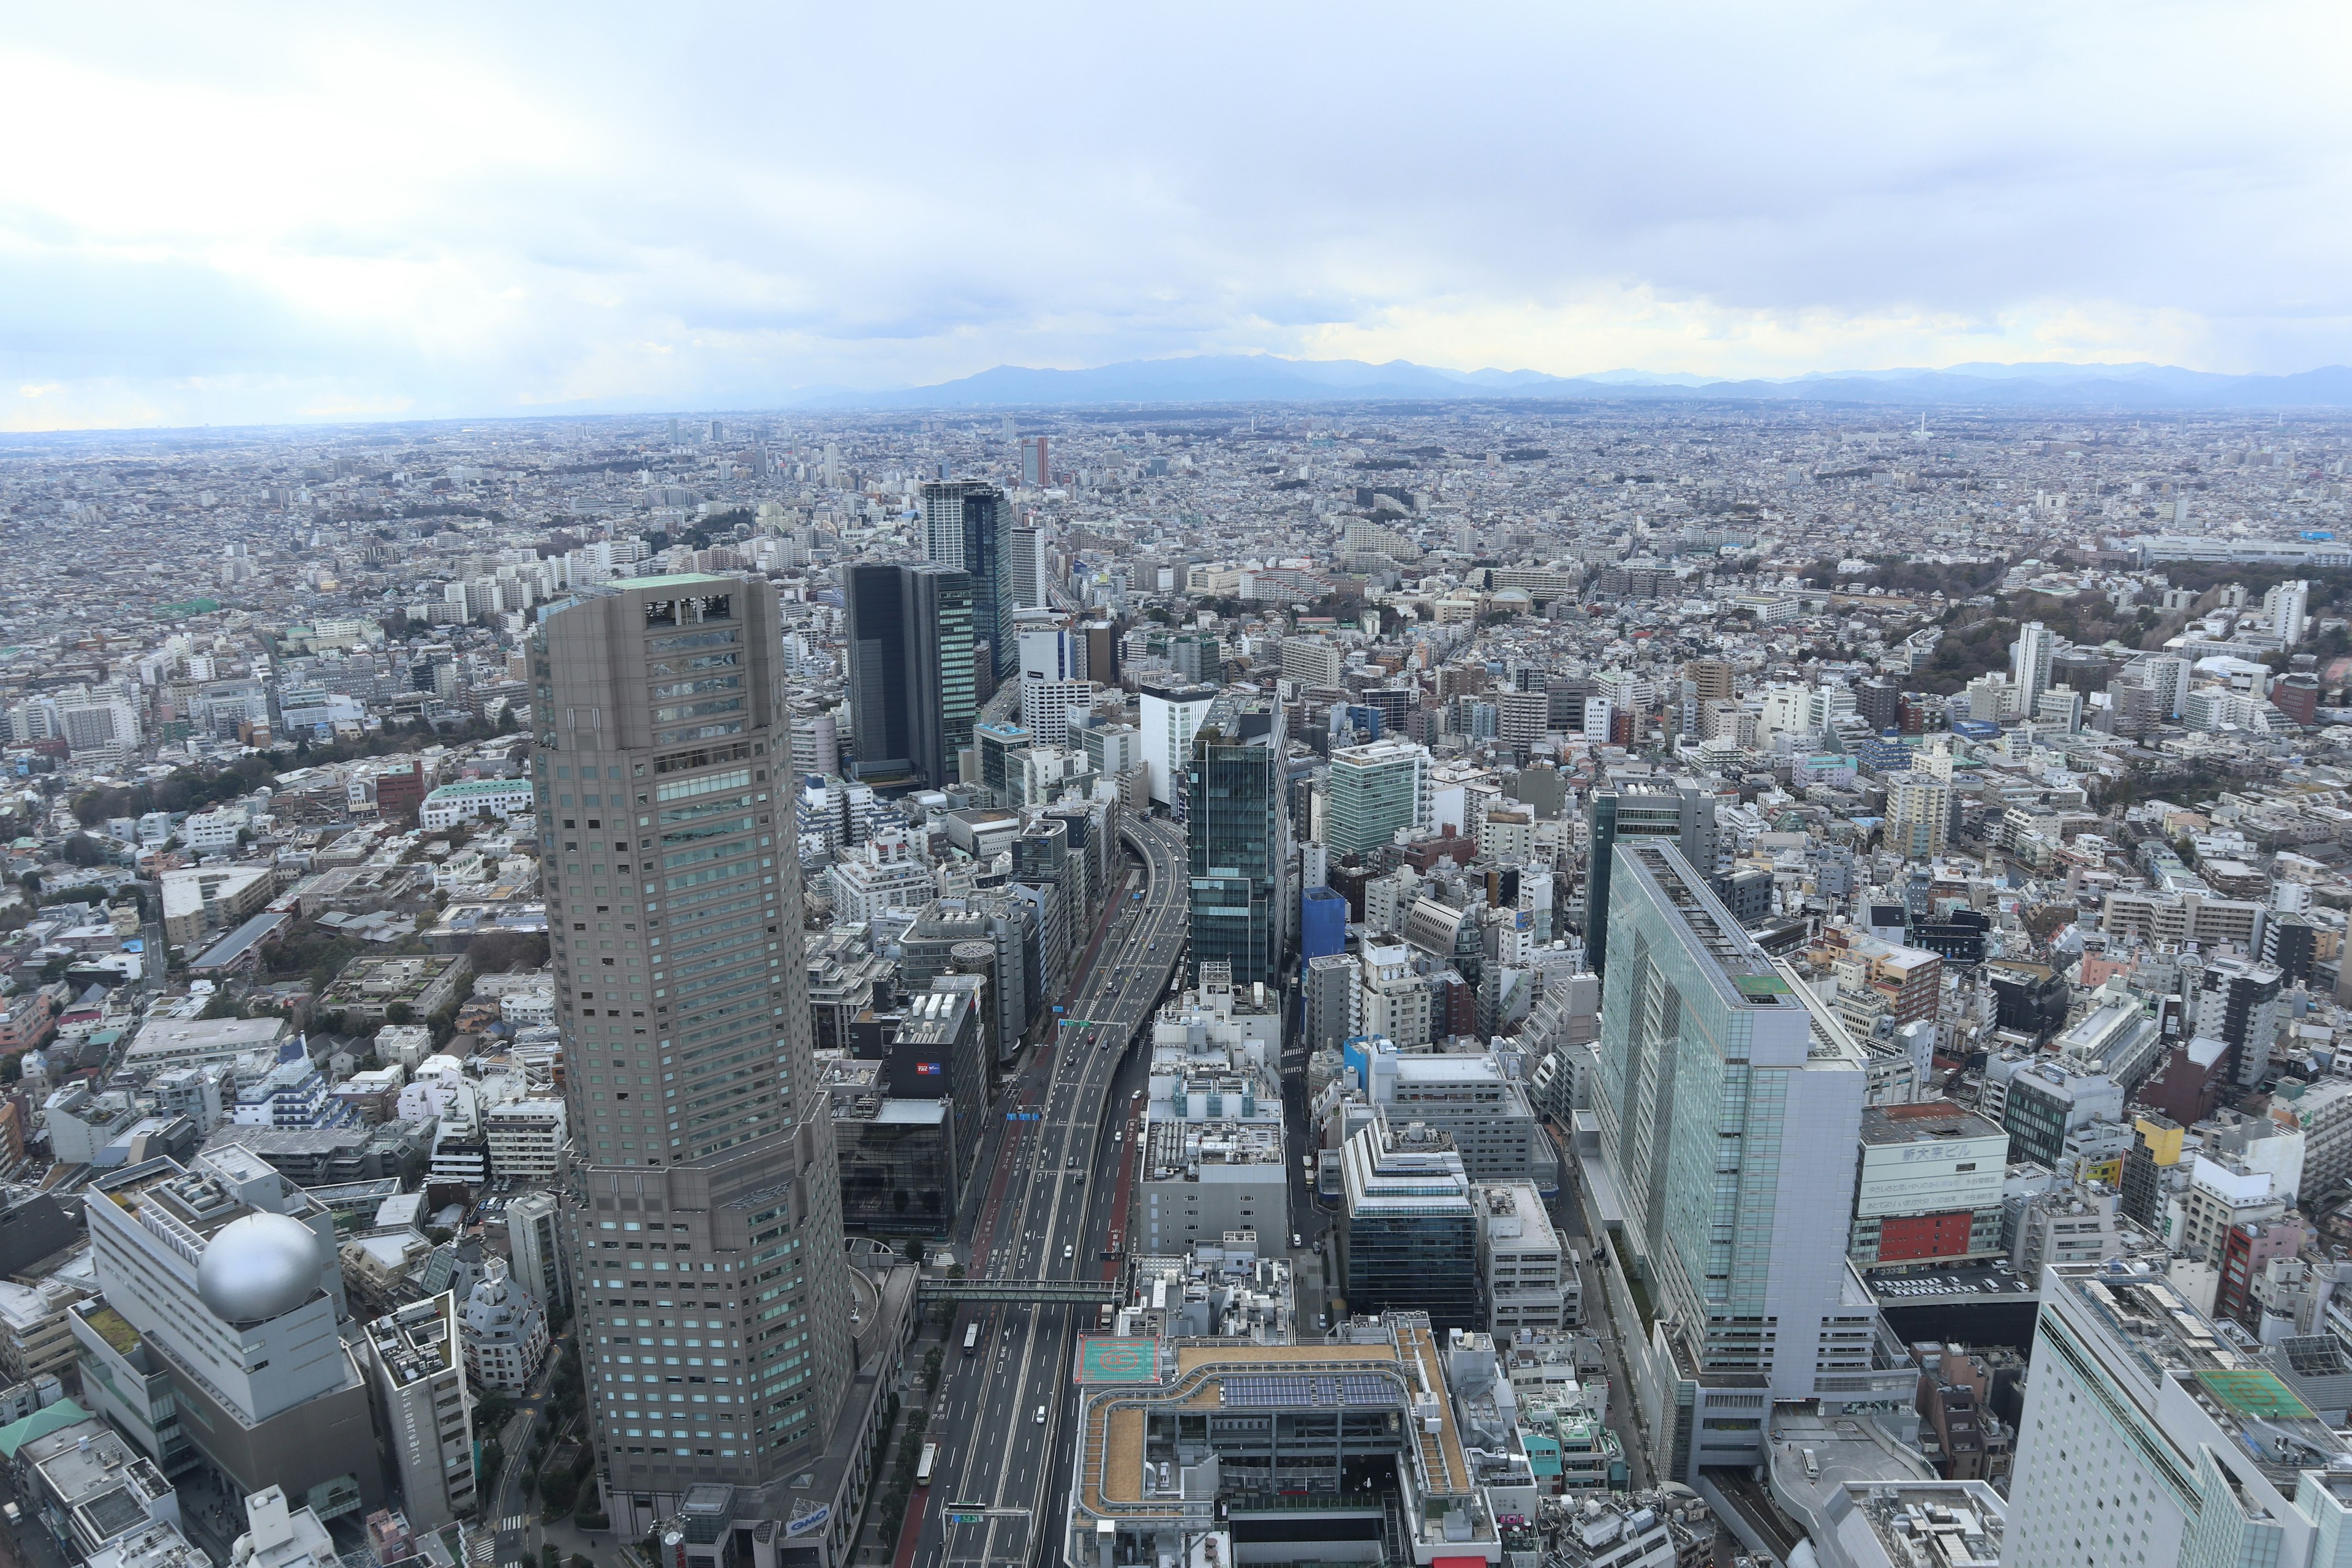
(1264,378)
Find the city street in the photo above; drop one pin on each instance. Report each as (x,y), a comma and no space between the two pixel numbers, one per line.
(999,1414)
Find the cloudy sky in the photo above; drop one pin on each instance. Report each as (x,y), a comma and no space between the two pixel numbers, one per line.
(225,214)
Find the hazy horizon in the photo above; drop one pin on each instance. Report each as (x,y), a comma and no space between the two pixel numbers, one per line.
(243,217)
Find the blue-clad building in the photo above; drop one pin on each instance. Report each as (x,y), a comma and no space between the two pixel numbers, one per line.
(1322,923)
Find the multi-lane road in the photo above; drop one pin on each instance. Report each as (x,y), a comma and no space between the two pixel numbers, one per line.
(1051,1200)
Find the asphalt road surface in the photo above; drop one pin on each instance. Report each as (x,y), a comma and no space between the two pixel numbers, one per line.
(1046,1213)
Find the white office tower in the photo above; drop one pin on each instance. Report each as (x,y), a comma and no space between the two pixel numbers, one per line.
(2152,1437)
(1030,573)
(428,1428)
(1167,715)
(2029,663)
(229,1274)
(1053,686)
(1731,1106)
(2288,607)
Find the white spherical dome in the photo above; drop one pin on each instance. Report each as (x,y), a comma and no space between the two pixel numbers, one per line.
(262,1266)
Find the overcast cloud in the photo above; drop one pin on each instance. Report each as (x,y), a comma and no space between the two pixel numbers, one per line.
(226,214)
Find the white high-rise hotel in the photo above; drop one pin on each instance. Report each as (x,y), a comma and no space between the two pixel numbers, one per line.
(2149,1440)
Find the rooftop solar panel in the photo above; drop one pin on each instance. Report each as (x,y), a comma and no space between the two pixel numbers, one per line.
(1268,1389)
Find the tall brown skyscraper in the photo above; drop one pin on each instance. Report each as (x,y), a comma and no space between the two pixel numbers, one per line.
(704,1203)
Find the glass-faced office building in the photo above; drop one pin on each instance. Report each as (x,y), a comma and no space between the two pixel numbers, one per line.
(913,687)
(1729,1103)
(1237,832)
(1410,1242)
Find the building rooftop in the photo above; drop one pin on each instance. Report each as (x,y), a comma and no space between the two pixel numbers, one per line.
(1947,1524)
(1396,1366)
(1743,967)
(1924,1122)
(419,1340)
(2174,1342)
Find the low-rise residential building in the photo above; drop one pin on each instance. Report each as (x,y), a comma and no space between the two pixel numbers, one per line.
(420,984)
(211,897)
(526,1138)
(505,1331)
(470,800)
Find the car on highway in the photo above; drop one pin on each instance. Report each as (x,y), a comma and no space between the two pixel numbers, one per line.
(1069,1251)
(1041,1416)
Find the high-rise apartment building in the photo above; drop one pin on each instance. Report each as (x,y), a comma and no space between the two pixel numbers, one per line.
(913,685)
(1729,1104)
(1374,790)
(1312,661)
(99,726)
(2237,1003)
(1879,704)
(1710,679)
(704,1199)
(1521,719)
(969,526)
(1036,471)
(2029,663)
(1238,829)
(535,1239)
(2288,607)
(1918,814)
(1679,809)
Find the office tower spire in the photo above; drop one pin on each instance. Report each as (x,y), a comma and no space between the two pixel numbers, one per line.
(703,1199)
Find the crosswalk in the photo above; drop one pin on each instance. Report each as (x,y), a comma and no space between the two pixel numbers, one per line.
(515,1521)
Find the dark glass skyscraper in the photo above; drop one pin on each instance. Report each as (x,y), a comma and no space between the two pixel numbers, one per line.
(1679,810)
(1237,831)
(968,525)
(703,1198)
(913,687)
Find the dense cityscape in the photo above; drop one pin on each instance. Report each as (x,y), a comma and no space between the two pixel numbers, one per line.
(1630,985)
